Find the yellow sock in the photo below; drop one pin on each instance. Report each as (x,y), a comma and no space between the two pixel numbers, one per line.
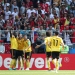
(27,63)
(53,61)
(15,64)
(12,63)
(48,63)
(21,63)
(57,65)
(60,65)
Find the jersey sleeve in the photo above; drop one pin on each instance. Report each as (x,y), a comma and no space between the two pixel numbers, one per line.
(45,41)
(61,41)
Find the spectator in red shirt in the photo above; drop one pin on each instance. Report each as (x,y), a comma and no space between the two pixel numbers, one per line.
(31,22)
(11,19)
(72,19)
(28,3)
(56,21)
(39,20)
(65,21)
(8,24)
(63,10)
(73,35)
(1,11)
(45,6)
(47,22)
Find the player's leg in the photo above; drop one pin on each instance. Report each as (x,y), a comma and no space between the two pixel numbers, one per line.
(11,51)
(54,58)
(48,54)
(60,62)
(27,56)
(20,59)
(24,60)
(14,68)
(13,61)
(57,62)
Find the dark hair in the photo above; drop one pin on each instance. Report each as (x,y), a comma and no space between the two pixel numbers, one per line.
(48,33)
(15,8)
(14,33)
(56,33)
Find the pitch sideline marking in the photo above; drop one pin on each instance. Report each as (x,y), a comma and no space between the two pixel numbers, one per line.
(36,72)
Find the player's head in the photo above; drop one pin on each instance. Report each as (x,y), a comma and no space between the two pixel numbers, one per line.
(48,34)
(56,33)
(13,35)
(20,35)
(25,37)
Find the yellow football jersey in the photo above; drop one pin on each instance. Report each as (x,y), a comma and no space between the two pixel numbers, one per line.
(55,43)
(14,44)
(48,47)
(27,43)
(20,44)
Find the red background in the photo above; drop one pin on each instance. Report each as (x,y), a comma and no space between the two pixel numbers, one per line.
(68,61)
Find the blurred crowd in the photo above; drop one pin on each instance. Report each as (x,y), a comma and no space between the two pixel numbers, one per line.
(32,14)
(38,16)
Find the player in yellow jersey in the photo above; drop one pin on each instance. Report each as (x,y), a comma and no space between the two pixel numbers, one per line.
(48,48)
(13,49)
(55,42)
(27,51)
(20,54)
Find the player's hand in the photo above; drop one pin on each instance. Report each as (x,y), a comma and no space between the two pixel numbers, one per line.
(37,46)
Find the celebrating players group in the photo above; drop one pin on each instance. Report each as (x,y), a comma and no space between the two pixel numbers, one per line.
(21,50)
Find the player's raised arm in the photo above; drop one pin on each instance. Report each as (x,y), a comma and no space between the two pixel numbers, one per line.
(37,46)
(46,40)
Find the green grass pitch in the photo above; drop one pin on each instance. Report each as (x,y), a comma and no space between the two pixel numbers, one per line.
(37,72)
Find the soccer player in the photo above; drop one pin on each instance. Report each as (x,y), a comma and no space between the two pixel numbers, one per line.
(27,51)
(48,48)
(55,42)
(13,49)
(20,54)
